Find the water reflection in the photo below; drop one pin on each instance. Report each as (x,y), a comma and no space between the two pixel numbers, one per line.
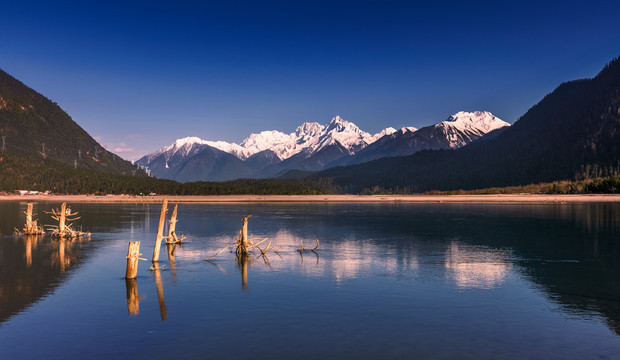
(242,264)
(344,258)
(565,257)
(156,270)
(477,268)
(31,242)
(33,266)
(133,299)
(171,249)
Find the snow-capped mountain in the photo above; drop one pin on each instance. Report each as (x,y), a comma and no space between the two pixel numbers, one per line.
(457,131)
(309,135)
(312,146)
(464,127)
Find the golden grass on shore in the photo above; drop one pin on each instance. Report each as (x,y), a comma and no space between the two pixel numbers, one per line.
(496,198)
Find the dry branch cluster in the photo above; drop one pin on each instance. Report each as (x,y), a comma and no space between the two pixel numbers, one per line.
(64,229)
(31,227)
(244,246)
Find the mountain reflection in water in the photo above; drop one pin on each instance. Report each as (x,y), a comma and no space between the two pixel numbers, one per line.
(480,267)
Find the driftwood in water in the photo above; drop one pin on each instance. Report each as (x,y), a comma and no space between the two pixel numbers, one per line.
(219,252)
(160,230)
(31,227)
(243,245)
(301,250)
(172,236)
(65,229)
(133,255)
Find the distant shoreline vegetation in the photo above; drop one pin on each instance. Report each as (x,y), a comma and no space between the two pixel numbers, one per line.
(37,174)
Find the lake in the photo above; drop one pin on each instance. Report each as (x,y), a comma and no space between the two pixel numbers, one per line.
(389,281)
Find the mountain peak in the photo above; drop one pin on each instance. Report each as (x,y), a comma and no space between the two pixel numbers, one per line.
(337,118)
(387,131)
(477,120)
(187,140)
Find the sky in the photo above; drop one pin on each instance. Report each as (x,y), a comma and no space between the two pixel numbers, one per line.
(138,75)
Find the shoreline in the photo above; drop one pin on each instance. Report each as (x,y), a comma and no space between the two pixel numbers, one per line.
(495,198)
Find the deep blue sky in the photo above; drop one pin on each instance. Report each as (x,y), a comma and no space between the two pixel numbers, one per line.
(139,75)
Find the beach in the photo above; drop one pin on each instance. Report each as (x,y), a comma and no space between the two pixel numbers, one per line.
(495,198)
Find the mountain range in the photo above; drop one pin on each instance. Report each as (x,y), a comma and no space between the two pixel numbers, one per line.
(571,134)
(311,147)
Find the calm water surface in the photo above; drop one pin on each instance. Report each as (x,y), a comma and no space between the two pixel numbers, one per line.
(432,281)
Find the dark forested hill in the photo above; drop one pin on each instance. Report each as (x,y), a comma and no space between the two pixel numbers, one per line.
(573,132)
(31,124)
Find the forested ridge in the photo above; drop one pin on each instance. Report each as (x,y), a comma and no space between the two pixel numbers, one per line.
(31,172)
(31,124)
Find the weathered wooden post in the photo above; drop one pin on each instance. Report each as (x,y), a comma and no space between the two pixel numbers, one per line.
(160,230)
(133,254)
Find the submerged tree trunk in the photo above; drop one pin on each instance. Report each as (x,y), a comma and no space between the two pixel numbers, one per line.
(160,230)
(133,254)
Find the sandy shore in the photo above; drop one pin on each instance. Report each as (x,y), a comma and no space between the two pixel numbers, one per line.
(509,198)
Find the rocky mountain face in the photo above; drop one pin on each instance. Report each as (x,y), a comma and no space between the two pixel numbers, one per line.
(311,147)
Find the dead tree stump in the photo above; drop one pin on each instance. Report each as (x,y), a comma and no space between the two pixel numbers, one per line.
(133,255)
(31,227)
(64,229)
(172,236)
(244,243)
(160,230)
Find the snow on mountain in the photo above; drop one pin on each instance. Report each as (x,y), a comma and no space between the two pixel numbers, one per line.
(340,131)
(387,131)
(312,146)
(191,144)
(311,137)
(463,126)
(272,140)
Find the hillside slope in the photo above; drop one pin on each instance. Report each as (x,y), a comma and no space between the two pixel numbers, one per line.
(31,124)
